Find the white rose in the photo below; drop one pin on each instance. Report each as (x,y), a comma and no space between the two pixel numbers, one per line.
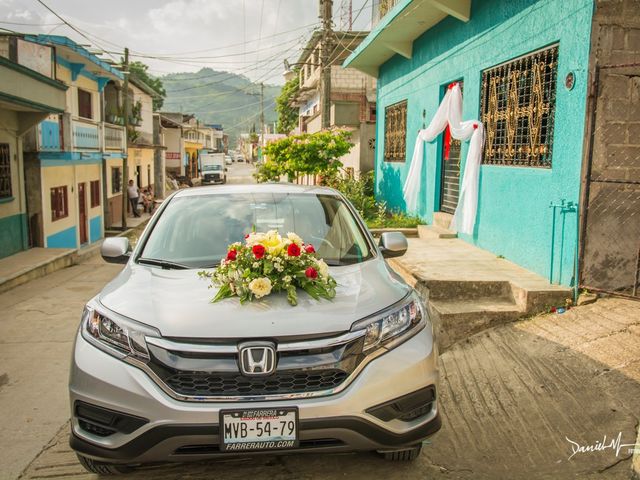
(323,268)
(254,238)
(256,264)
(260,287)
(294,238)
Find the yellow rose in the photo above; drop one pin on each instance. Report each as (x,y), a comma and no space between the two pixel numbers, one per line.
(260,287)
(273,242)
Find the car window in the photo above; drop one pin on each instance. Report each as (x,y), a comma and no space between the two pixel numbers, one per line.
(196,230)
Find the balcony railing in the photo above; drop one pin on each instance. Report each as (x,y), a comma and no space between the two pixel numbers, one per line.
(114,137)
(85,134)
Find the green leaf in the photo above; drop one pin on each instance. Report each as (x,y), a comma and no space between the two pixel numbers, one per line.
(311,291)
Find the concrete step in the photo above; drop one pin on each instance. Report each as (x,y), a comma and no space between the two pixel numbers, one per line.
(457,320)
(434,231)
(442,220)
(466,290)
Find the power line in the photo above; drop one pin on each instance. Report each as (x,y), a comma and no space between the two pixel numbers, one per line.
(69,24)
(31,24)
(223,80)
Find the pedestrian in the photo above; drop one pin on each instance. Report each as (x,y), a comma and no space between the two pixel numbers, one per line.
(134,193)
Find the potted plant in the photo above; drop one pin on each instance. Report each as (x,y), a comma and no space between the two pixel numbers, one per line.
(111,114)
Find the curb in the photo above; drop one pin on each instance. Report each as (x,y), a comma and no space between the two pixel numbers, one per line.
(408,232)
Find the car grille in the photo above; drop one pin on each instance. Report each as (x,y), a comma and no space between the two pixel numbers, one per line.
(211,176)
(194,384)
(211,370)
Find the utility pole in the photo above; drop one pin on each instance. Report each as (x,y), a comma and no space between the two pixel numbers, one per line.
(261,117)
(125,166)
(326,10)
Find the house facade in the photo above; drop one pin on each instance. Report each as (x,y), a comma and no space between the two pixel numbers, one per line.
(29,93)
(186,139)
(64,155)
(353,102)
(525,70)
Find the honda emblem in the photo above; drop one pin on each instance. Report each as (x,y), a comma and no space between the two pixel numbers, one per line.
(257,358)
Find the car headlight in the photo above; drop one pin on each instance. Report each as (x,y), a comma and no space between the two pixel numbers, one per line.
(117,336)
(399,322)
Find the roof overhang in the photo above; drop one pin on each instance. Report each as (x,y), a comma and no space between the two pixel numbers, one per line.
(398,29)
(32,95)
(78,59)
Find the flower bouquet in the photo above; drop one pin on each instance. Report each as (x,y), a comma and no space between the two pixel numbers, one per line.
(267,263)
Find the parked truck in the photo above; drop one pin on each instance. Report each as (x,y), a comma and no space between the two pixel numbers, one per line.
(213,168)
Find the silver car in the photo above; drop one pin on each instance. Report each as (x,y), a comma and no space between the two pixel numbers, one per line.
(159,373)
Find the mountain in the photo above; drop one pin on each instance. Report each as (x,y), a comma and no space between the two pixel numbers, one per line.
(220,97)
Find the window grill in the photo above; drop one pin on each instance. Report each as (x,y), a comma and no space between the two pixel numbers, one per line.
(5,171)
(518,102)
(59,203)
(116,179)
(395,132)
(95,193)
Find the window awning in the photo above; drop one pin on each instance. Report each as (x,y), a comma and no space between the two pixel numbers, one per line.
(398,29)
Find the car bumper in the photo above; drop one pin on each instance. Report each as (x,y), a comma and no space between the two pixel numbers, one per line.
(182,431)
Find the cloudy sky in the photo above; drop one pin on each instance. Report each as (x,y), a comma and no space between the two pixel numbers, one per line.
(251,37)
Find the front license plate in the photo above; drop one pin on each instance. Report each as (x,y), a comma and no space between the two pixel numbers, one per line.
(258,429)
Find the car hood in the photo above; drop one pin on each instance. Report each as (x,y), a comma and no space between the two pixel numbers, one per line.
(177,302)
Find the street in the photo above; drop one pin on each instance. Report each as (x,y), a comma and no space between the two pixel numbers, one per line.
(511,397)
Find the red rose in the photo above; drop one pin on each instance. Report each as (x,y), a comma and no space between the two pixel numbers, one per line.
(293,250)
(258,251)
(232,254)
(311,273)
(309,249)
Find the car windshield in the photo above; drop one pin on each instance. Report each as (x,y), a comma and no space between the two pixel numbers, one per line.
(195,231)
(208,168)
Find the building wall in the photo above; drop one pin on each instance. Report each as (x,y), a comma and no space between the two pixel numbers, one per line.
(174,146)
(114,200)
(514,218)
(143,158)
(65,233)
(13,218)
(612,188)
(62,233)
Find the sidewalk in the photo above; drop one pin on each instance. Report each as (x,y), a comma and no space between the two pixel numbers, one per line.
(469,289)
(37,262)
(132,222)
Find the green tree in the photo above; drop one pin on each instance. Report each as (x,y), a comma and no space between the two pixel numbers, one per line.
(140,71)
(306,154)
(287,115)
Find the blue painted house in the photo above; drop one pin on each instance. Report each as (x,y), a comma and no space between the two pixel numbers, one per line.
(28,94)
(66,156)
(525,68)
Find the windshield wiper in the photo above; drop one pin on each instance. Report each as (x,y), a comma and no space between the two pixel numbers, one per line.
(165,264)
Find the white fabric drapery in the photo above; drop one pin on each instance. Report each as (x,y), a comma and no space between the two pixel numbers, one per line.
(450,113)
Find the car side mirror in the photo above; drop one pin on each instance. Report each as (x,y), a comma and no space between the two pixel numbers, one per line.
(115,250)
(393,244)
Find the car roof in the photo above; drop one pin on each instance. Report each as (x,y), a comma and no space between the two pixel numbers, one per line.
(256,188)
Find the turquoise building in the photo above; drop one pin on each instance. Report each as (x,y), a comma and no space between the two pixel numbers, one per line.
(523,66)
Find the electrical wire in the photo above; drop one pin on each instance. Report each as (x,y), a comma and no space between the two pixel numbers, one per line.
(31,24)
(268,60)
(72,27)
